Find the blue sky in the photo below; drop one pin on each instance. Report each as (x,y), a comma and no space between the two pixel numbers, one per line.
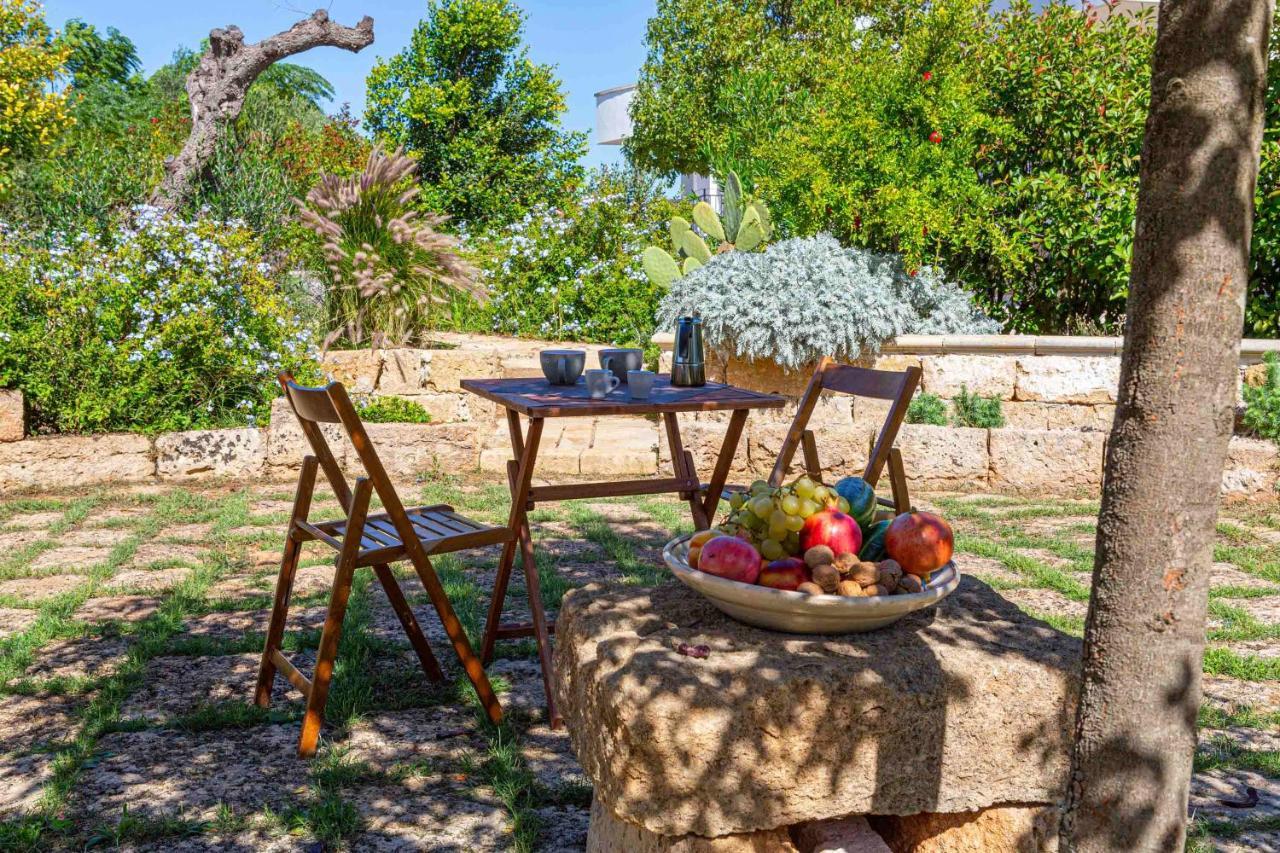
(595,45)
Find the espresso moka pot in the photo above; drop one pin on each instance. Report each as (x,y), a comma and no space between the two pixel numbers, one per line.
(688,369)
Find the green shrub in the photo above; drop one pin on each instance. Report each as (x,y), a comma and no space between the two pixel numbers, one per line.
(392,410)
(926,408)
(165,325)
(1262,402)
(806,298)
(975,410)
(574,272)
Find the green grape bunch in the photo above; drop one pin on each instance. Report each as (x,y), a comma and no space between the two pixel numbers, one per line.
(771,518)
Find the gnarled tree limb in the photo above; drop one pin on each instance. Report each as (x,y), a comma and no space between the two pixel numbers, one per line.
(218,85)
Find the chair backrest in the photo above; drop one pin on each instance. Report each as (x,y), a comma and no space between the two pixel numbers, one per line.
(329,404)
(896,386)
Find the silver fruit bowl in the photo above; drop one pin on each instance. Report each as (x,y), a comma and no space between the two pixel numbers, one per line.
(798,612)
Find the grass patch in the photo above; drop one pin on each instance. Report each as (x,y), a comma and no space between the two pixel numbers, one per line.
(1241,717)
(1220,661)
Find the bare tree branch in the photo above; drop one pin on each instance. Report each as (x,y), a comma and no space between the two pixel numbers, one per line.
(218,85)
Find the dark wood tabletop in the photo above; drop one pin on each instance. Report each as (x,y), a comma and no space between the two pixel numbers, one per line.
(538,398)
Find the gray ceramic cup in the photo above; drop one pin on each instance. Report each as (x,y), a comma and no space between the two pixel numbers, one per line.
(640,384)
(562,366)
(619,361)
(600,383)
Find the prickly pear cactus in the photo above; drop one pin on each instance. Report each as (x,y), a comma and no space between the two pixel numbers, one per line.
(742,226)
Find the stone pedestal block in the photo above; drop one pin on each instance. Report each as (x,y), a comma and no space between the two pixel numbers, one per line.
(210,453)
(447,368)
(1250,469)
(957,708)
(847,835)
(1007,829)
(410,449)
(610,834)
(13,419)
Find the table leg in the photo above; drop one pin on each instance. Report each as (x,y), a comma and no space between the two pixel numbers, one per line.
(505,563)
(527,449)
(682,464)
(728,448)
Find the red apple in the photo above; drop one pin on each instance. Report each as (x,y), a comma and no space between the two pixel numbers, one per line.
(921,542)
(787,573)
(730,557)
(832,528)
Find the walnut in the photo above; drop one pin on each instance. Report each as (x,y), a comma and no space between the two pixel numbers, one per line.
(826,577)
(845,563)
(889,575)
(911,583)
(819,555)
(864,573)
(809,588)
(852,589)
(875,589)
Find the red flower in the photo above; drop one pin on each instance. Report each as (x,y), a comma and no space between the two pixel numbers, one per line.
(928,75)
(857,223)
(924,232)
(935,137)
(155,120)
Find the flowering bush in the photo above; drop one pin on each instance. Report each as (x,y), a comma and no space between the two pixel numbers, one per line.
(165,325)
(805,298)
(573,272)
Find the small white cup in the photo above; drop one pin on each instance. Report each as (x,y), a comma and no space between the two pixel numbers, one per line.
(640,384)
(600,383)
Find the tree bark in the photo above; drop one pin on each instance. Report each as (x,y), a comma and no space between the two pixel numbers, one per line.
(218,85)
(1144,636)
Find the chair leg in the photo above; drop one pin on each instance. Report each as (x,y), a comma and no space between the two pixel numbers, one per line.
(279,613)
(898,482)
(284,583)
(458,637)
(410,623)
(327,653)
(325,657)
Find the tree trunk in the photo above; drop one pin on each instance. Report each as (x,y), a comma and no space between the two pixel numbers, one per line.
(217,88)
(1144,637)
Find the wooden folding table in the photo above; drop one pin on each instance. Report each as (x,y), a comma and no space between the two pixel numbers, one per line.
(538,400)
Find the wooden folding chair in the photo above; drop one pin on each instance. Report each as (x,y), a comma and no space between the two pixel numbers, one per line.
(362,539)
(895,386)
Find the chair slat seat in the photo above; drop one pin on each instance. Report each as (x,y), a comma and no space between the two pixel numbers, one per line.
(438,528)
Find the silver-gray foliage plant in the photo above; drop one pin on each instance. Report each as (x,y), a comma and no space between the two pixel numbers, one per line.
(809,297)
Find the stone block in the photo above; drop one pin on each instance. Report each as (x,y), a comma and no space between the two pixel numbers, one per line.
(1046,461)
(766,377)
(1034,415)
(944,457)
(407,450)
(1250,468)
(1005,828)
(847,835)
(610,834)
(75,459)
(842,449)
(356,369)
(1068,379)
(403,371)
(286,445)
(1086,345)
(965,706)
(445,408)
(896,361)
(522,367)
(607,461)
(13,418)
(988,375)
(703,439)
(446,368)
(210,453)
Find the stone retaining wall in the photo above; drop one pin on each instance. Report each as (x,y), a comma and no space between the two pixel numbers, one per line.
(1058,397)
